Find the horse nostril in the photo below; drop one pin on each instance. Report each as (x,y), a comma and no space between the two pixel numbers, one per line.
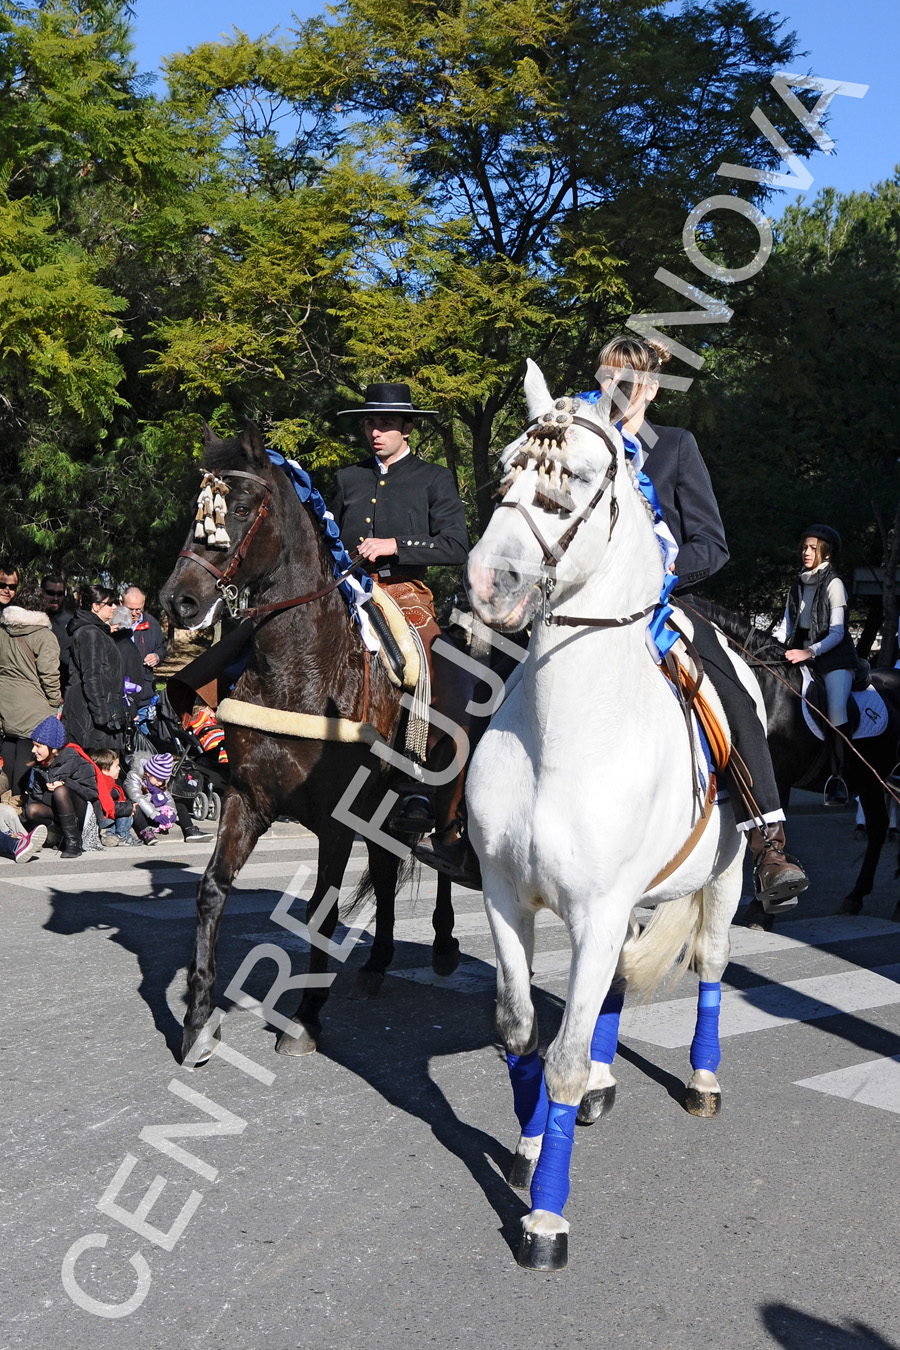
(185,606)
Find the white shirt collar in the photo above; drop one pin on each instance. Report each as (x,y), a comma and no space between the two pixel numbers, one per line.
(384,468)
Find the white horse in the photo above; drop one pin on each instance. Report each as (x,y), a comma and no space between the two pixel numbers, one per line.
(581,791)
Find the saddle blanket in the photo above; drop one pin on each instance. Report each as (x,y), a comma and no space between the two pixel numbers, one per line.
(873,714)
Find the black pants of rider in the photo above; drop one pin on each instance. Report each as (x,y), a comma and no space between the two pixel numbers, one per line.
(747,733)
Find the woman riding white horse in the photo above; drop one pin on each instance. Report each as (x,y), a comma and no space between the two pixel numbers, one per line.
(581,791)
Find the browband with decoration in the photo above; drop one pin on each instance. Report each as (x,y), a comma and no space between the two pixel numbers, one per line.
(544,449)
(211,511)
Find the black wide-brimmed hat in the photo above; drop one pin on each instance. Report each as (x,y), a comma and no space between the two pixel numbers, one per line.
(388,398)
(826,534)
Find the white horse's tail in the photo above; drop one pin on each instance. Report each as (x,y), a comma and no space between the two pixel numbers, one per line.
(670,939)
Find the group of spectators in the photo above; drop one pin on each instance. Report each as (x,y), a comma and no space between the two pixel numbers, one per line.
(73,678)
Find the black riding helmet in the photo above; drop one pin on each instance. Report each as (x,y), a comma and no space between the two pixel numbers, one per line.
(826,534)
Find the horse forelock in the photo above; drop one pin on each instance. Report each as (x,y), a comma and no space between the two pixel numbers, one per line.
(220,456)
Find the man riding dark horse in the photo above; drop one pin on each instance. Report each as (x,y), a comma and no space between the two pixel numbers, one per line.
(404,515)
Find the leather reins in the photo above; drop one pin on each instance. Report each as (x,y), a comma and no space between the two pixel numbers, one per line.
(223,576)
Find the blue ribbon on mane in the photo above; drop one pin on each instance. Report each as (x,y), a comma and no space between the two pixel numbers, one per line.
(663,637)
(312,497)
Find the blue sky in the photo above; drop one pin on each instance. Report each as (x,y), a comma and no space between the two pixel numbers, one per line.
(857,41)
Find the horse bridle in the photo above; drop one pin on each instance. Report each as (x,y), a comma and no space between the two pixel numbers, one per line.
(554,555)
(223,577)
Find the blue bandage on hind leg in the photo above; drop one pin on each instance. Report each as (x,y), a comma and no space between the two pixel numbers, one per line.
(705,1052)
(550,1186)
(526,1074)
(606,1032)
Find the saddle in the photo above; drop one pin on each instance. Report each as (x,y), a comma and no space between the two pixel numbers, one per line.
(399,651)
(866,711)
(704,703)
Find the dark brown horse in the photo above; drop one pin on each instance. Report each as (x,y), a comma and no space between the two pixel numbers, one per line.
(307,658)
(801,760)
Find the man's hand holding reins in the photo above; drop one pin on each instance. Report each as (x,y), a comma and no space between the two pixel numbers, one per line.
(377,548)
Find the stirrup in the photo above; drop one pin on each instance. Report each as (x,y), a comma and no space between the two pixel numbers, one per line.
(893,778)
(836,793)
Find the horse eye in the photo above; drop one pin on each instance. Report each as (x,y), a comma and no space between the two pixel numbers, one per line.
(241,510)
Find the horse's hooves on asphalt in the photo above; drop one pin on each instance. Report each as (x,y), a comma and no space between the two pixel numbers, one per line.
(367,984)
(543,1251)
(851,905)
(444,960)
(521,1172)
(294,1046)
(595,1105)
(756,917)
(198,1049)
(700,1103)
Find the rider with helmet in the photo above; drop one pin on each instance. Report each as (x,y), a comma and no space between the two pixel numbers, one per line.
(814,630)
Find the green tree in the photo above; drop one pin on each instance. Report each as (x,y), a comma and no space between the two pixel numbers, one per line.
(798,401)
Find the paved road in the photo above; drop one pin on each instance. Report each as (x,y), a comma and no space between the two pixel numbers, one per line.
(357,1197)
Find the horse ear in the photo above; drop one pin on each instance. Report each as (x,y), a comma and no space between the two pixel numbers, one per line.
(537,396)
(251,442)
(209,436)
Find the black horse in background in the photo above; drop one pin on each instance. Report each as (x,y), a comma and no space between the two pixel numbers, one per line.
(800,759)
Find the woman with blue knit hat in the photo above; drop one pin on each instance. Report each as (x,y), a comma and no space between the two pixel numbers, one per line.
(814,629)
(61,785)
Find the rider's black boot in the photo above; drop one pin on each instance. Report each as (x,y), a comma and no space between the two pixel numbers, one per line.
(448,850)
(836,793)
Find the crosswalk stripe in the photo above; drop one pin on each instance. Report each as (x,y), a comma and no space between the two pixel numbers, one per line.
(873,1083)
(671,1024)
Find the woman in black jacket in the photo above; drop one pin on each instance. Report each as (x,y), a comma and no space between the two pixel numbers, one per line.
(61,784)
(95,709)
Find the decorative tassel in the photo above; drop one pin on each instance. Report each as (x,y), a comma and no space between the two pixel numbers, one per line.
(211,512)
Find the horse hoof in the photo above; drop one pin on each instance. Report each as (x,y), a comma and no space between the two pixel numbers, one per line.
(367,983)
(543,1251)
(851,905)
(444,960)
(294,1046)
(595,1105)
(756,917)
(198,1047)
(703,1104)
(521,1172)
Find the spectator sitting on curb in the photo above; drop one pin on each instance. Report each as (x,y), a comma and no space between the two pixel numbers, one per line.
(147,787)
(61,785)
(15,843)
(115,829)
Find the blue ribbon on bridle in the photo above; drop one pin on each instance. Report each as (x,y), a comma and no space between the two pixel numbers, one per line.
(664,637)
(311,497)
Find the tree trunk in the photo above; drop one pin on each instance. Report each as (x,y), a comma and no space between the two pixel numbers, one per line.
(874,613)
(482,428)
(887,655)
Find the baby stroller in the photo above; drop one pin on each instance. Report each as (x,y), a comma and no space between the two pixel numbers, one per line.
(198,779)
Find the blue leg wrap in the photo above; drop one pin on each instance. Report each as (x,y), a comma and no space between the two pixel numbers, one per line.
(550,1187)
(606,1032)
(705,1053)
(529,1094)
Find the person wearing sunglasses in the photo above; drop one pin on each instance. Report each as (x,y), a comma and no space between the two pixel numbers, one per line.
(9,584)
(53,591)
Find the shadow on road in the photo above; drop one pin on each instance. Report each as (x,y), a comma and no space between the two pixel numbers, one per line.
(797,1330)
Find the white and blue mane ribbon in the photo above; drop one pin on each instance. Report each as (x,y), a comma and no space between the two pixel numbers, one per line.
(357,591)
(664,637)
